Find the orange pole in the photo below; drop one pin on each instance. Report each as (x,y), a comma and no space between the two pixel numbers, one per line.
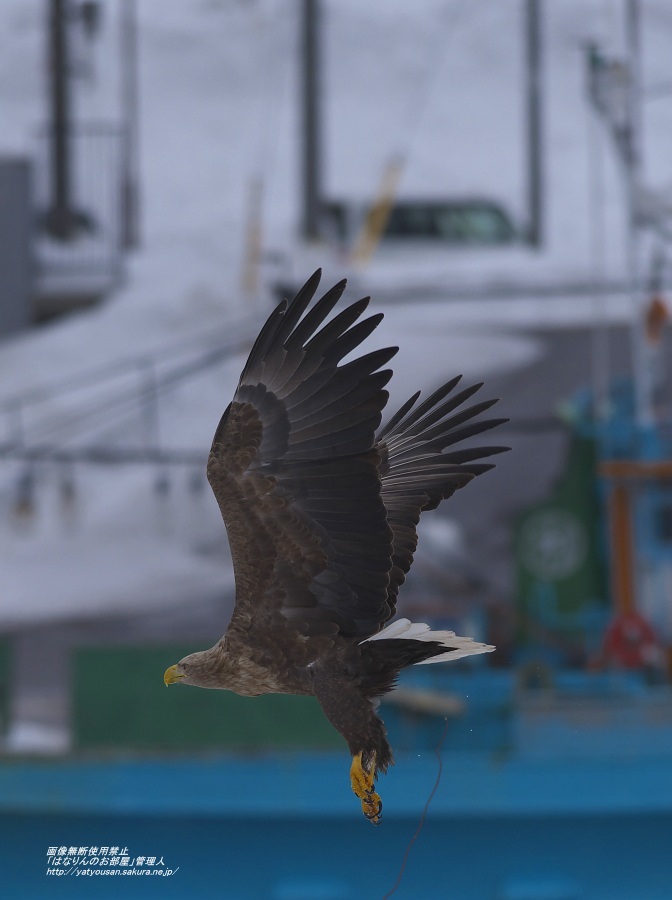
(622,556)
(632,469)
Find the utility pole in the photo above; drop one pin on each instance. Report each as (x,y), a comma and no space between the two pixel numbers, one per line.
(535,174)
(615,91)
(633,173)
(311,131)
(60,219)
(600,362)
(130,176)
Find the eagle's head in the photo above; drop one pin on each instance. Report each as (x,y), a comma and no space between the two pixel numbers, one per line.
(202,669)
(221,668)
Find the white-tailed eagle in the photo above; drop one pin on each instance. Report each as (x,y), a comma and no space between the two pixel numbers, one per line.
(321,507)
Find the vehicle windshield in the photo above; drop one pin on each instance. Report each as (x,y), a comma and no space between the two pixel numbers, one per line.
(469,223)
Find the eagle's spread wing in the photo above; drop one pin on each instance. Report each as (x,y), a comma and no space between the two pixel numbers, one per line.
(295,472)
(417,472)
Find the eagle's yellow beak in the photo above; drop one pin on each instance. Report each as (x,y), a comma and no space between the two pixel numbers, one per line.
(171,675)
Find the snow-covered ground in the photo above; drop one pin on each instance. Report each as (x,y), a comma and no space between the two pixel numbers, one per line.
(436,82)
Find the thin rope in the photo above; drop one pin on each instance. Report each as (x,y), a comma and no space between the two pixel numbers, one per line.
(424,812)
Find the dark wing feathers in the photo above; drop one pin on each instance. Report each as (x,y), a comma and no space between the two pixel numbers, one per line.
(315,316)
(255,361)
(416,472)
(408,418)
(398,416)
(295,473)
(322,513)
(335,391)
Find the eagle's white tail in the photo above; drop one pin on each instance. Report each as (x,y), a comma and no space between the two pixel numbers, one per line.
(418,631)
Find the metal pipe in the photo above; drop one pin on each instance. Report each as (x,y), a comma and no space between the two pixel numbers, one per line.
(130,166)
(633,174)
(622,555)
(60,220)
(311,120)
(535,174)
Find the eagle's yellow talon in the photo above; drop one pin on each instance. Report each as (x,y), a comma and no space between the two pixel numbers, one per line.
(372,807)
(362,780)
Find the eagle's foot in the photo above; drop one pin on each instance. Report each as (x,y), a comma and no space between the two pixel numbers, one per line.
(362,779)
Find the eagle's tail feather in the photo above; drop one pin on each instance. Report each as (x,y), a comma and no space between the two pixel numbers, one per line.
(447,646)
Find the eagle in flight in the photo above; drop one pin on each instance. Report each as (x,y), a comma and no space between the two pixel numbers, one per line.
(321,507)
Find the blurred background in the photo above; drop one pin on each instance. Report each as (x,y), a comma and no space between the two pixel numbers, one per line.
(497,176)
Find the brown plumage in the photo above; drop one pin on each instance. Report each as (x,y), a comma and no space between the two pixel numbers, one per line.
(321,510)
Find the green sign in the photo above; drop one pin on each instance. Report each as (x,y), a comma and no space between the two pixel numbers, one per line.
(562,596)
